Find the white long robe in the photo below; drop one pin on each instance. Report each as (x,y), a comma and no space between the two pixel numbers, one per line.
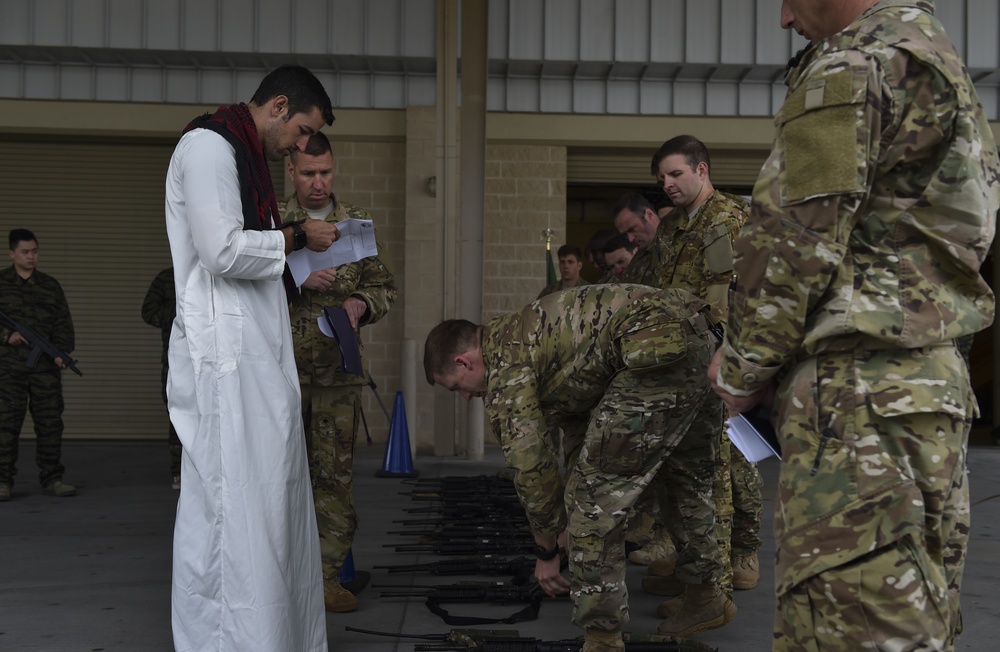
(246,572)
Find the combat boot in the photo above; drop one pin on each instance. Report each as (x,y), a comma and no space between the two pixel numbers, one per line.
(663,567)
(4,492)
(704,607)
(668,586)
(596,641)
(59,488)
(337,598)
(661,547)
(746,571)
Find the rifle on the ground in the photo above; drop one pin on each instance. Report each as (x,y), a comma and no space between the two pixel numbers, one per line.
(460,531)
(465,592)
(470,513)
(467,547)
(508,640)
(482,565)
(38,344)
(470,593)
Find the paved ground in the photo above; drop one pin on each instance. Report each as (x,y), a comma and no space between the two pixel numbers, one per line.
(92,573)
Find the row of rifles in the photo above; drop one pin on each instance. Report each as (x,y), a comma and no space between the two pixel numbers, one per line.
(479,528)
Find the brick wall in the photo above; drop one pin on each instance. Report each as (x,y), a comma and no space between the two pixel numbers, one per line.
(525,194)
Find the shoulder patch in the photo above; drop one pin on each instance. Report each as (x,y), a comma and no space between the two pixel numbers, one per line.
(823,138)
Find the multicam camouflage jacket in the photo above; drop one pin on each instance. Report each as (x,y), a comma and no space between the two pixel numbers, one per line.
(877,205)
(696,252)
(316,355)
(555,358)
(552,288)
(38,303)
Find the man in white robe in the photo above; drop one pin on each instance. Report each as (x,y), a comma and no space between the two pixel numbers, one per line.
(246,573)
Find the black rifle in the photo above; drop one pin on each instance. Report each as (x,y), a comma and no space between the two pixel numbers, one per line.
(474,592)
(461,531)
(467,547)
(507,640)
(465,592)
(482,565)
(38,344)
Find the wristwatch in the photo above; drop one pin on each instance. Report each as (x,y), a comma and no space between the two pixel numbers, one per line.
(544,554)
(299,237)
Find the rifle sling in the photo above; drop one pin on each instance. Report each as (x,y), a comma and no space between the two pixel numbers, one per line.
(528,613)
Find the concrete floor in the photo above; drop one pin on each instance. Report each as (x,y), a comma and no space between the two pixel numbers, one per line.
(92,573)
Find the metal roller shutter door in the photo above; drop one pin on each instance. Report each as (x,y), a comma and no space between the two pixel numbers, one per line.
(97,210)
(730,168)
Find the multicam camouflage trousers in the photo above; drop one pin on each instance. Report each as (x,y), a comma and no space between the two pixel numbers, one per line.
(639,422)
(748,506)
(873,516)
(331,416)
(41,393)
(685,485)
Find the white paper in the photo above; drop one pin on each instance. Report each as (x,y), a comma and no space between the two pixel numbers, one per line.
(357,241)
(746,438)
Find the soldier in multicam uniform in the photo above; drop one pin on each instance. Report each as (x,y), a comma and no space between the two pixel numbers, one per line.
(628,356)
(858,268)
(36,300)
(331,397)
(699,256)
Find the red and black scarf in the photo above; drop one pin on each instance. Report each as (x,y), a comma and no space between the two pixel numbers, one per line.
(260,206)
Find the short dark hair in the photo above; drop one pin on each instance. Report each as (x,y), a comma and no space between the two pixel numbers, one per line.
(317,145)
(569,249)
(693,150)
(598,240)
(446,340)
(20,235)
(634,203)
(620,241)
(301,88)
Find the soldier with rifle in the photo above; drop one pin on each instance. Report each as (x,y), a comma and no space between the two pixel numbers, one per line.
(632,358)
(35,320)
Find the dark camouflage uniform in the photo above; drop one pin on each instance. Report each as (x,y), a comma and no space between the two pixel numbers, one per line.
(159,309)
(857,269)
(331,398)
(632,358)
(38,303)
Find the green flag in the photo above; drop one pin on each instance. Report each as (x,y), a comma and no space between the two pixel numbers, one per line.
(553,277)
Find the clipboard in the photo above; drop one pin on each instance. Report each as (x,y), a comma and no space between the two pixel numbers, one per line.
(347,341)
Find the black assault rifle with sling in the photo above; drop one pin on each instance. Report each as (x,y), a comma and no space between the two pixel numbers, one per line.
(38,344)
(481,565)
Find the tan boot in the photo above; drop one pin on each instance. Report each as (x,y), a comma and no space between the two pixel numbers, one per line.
(704,607)
(668,608)
(668,586)
(746,571)
(337,598)
(596,641)
(663,567)
(661,547)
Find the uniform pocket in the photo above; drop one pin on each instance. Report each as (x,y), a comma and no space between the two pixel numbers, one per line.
(650,348)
